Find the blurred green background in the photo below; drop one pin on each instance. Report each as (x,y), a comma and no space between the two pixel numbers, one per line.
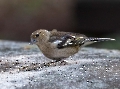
(95,18)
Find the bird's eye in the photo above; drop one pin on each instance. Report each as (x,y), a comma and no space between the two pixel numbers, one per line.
(37,35)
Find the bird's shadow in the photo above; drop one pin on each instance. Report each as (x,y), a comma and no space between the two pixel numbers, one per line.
(39,66)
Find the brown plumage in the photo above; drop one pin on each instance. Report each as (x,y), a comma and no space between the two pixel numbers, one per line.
(57,45)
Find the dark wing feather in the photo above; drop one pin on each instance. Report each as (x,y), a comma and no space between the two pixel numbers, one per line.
(67,38)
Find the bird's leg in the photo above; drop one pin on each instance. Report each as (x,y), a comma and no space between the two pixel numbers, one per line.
(53,63)
(58,59)
(61,61)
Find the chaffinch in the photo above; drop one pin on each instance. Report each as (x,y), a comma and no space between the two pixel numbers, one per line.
(57,45)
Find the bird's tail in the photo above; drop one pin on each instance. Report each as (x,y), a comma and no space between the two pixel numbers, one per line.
(91,40)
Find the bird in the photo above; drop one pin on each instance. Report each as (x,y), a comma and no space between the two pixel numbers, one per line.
(57,45)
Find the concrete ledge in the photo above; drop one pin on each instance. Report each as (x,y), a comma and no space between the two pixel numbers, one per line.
(23,66)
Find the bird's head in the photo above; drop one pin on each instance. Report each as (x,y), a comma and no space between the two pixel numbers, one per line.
(40,36)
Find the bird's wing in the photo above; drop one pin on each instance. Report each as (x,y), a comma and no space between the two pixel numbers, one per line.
(66,39)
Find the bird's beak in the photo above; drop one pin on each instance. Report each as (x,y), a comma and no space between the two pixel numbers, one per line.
(30,43)
(33,41)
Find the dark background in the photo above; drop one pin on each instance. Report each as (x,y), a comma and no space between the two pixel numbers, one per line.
(96,18)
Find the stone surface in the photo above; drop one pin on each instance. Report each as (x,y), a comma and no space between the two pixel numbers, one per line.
(23,66)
